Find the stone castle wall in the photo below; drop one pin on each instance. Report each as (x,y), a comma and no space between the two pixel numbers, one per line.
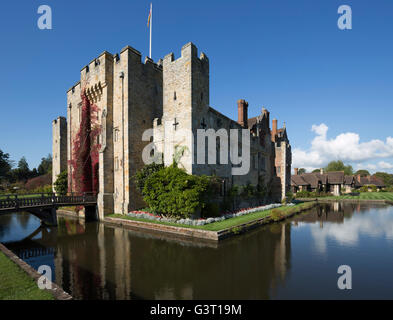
(171,98)
(137,101)
(59,147)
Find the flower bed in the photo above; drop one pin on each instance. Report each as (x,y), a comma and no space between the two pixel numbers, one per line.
(201,222)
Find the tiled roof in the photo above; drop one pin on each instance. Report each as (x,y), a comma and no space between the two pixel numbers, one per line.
(336,177)
(322,177)
(311,178)
(377,182)
(251,122)
(349,180)
(298,181)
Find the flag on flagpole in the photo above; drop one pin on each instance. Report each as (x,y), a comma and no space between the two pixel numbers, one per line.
(150,26)
(148,19)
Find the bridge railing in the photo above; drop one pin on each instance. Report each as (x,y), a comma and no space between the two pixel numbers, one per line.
(34,200)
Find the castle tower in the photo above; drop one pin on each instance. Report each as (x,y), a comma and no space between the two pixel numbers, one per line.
(96,89)
(185,102)
(137,101)
(59,147)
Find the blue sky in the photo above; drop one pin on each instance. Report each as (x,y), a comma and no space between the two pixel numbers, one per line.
(288,56)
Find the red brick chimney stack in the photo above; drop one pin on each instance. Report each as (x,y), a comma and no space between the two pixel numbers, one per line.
(274,129)
(296,171)
(242,113)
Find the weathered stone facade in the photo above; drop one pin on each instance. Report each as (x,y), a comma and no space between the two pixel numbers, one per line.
(171,98)
(59,147)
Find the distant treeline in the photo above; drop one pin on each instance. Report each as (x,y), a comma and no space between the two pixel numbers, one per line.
(21,177)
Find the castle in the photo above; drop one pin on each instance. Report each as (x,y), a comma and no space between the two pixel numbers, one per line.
(119,99)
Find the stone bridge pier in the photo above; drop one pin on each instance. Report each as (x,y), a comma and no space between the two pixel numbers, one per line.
(48,216)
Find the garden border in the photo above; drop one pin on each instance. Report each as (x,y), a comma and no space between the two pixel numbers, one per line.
(194,232)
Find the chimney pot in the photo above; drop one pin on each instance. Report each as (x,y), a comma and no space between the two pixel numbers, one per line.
(274,129)
(242,113)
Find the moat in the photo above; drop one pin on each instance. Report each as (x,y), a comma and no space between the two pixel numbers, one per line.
(295,259)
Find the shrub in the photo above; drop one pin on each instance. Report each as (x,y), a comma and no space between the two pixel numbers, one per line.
(302,194)
(248,191)
(43,189)
(38,182)
(373,188)
(290,196)
(363,189)
(313,194)
(172,192)
(61,183)
(141,176)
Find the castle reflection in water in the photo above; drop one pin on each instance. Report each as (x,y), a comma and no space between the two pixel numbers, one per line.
(97,261)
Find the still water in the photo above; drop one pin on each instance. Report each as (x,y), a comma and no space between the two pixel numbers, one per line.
(296,259)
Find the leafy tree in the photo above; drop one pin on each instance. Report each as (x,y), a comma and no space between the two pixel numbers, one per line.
(34,173)
(21,172)
(301,171)
(362,173)
(339,166)
(61,183)
(386,177)
(5,164)
(23,166)
(46,165)
(316,171)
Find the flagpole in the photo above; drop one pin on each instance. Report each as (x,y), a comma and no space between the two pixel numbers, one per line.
(151,25)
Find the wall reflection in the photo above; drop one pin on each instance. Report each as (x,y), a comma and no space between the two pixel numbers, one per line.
(96,261)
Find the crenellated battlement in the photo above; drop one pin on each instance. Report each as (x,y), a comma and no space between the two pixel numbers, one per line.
(133,95)
(188,52)
(97,61)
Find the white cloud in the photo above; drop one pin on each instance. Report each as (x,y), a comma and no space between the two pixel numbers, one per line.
(377,224)
(366,166)
(385,165)
(345,146)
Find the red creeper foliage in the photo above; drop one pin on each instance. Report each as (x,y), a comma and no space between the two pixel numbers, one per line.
(85,149)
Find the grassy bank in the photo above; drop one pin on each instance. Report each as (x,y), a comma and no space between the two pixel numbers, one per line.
(368,196)
(15,284)
(273,214)
(362,196)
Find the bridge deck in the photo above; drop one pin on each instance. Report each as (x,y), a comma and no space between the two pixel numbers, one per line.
(22,202)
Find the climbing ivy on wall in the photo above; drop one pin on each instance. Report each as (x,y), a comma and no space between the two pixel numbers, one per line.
(85,149)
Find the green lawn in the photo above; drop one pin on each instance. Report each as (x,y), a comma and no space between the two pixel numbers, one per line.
(15,284)
(366,196)
(228,223)
(20,196)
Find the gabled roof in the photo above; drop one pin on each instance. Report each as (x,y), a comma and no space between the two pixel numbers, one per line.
(297,180)
(348,180)
(311,178)
(377,181)
(251,122)
(336,177)
(322,177)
